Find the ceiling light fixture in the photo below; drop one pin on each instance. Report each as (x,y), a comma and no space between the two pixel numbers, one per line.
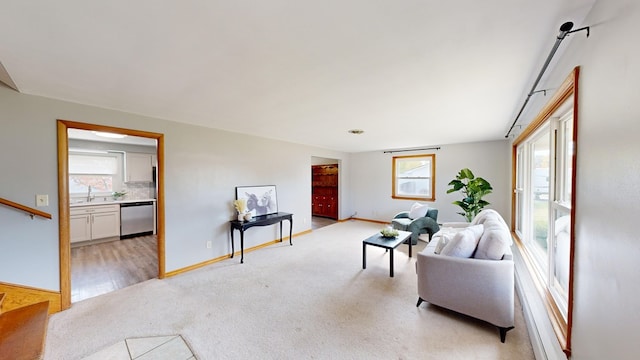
(356,131)
(109,135)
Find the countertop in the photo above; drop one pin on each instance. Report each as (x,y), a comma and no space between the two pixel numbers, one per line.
(108,202)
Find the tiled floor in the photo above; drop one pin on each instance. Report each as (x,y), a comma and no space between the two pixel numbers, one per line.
(171,347)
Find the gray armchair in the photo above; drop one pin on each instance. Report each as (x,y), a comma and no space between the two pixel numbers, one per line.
(427,224)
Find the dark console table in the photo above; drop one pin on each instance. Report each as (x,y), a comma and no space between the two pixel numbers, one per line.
(262,220)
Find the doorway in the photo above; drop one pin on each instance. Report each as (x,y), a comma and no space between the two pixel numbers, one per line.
(324,192)
(65,201)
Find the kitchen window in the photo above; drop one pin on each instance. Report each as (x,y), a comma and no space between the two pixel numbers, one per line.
(102,172)
(414,177)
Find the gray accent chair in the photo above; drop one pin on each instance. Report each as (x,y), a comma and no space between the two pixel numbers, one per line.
(480,288)
(427,224)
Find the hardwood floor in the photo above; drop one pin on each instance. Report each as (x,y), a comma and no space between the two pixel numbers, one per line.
(101,268)
(318,221)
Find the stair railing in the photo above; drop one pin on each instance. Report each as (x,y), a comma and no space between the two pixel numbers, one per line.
(31,211)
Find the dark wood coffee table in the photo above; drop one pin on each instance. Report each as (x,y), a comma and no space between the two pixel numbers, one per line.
(385,243)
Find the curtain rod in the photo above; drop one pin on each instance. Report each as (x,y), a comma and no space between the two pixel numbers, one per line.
(395,151)
(565,29)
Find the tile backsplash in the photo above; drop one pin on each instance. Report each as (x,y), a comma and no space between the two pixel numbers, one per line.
(137,191)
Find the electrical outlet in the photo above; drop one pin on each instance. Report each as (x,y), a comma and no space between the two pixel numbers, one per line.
(304,220)
(209,244)
(42,200)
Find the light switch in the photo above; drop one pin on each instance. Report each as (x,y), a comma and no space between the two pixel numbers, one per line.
(42,200)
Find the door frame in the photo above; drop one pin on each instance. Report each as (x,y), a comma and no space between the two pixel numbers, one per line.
(63,197)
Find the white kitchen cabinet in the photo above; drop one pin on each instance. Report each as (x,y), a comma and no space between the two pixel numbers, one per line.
(94,222)
(138,167)
(80,227)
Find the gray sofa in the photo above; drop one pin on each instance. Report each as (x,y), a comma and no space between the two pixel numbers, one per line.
(475,276)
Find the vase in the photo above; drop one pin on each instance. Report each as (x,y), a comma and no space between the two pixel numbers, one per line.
(240,217)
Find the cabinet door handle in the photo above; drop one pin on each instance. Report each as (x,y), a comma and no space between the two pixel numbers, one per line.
(93,219)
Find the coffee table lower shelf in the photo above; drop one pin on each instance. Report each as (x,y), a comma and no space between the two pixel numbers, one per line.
(385,243)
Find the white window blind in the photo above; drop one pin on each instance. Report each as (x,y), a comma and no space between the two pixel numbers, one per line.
(93,164)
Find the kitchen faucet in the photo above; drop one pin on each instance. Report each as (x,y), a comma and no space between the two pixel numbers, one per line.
(89,196)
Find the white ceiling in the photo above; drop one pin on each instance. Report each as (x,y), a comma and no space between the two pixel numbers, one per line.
(409,73)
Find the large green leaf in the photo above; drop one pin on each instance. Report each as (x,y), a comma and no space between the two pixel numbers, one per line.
(465,174)
(457,185)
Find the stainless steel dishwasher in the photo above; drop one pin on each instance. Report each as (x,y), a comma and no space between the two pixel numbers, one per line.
(137,218)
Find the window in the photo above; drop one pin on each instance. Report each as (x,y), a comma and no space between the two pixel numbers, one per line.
(414,177)
(100,171)
(544,173)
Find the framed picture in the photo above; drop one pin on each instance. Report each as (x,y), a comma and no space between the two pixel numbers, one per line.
(261,200)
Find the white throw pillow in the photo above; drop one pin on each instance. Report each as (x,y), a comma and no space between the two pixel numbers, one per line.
(464,243)
(444,239)
(493,244)
(418,210)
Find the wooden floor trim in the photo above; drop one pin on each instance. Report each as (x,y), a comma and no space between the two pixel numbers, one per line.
(19,295)
(224,257)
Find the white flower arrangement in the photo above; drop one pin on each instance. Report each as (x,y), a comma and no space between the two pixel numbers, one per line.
(240,205)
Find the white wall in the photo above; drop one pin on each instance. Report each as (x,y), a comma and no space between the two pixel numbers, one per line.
(606,313)
(202,168)
(371,179)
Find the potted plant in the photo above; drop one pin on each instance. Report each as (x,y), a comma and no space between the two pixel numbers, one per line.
(119,195)
(473,189)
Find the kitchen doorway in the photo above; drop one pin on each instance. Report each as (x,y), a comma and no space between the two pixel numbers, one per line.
(151,241)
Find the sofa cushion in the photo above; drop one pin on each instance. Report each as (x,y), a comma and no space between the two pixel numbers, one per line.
(492,245)
(401,224)
(418,210)
(496,238)
(463,243)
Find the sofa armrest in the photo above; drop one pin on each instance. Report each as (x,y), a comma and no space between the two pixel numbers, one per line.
(483,289)
(402,215)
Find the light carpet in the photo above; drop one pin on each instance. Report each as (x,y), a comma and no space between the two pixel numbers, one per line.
(311,300)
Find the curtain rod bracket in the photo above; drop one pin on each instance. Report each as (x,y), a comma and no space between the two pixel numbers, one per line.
(582,28)
(565,29)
